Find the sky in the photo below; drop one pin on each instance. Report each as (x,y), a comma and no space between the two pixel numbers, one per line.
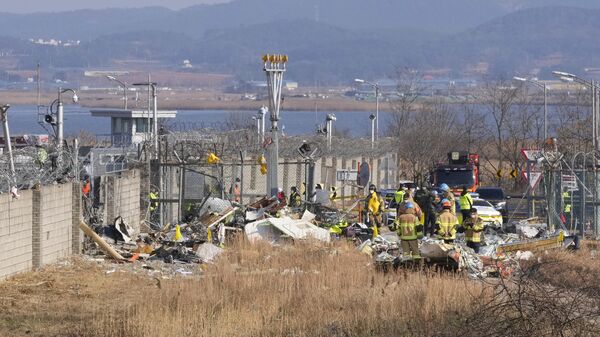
(30,6)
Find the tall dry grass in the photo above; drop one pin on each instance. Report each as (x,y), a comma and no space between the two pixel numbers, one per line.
(298,290)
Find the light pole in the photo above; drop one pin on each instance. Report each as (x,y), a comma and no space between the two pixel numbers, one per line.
(377,90)
(543,86)
(122,85)
(595,101)
(274,67)
(329,120)
(373,118)
(4,118)
(261,116)
(152,86)
(60,115)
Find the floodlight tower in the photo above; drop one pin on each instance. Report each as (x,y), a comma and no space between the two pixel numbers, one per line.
(274,67)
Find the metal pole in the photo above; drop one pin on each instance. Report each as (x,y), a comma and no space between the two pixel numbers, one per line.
(373,118)
(242,177)
(529,212)
(155,118)
(7,142)
(545,112)
(377,111)
(59,120)
(148,128)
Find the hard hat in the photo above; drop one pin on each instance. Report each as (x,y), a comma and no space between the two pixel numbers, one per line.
(279,189)
(409,205)
(446,203)
(444,187)
(372,187)
(434,192)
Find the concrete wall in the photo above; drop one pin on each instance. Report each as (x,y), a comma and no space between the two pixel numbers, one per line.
(122,198)
(54,230)
(37,229)
(15,234)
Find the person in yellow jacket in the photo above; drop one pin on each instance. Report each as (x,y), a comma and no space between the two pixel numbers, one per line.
(447,223)
(153,196)
(473,226)
(410,230)
(374,205)
(466,203)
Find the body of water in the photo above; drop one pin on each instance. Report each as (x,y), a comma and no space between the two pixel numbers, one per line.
(24,119)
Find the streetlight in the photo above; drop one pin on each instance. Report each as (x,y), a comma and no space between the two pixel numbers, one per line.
(60,115)
(373,119)
(121,84)
(568,77)
(543,86)
(152,85)
(376,87)
(329,120)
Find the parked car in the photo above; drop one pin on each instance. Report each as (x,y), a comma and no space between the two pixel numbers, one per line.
(486,211)
(496,196)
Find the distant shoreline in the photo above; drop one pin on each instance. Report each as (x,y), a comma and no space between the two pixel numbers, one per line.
(193,101)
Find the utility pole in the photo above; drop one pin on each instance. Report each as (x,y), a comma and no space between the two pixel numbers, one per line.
(274,67)
(60,115)
(372,118)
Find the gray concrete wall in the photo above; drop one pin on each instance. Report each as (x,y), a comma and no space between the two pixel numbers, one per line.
(15,234)
(53,228)
(122,198)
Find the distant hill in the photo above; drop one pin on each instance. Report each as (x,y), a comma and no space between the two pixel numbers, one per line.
(432,15)
(326,52)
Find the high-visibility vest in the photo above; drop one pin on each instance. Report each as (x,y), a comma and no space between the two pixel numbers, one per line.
(399,196)
(568,208)
(473,229)
(447,223)
(153,200)
(465,201)
(407,227)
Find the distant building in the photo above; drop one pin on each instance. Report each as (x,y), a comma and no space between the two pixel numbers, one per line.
(130,127)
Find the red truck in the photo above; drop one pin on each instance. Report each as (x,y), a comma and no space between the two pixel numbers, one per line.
(462,170)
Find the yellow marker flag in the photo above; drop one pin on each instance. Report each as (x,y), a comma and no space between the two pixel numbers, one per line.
(263,164)
(212,158)
(178,236)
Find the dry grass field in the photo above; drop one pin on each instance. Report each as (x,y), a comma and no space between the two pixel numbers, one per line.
(302,290)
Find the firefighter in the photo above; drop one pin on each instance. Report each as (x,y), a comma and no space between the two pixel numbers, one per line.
(295,198)
(374,205)
(473,226)
(410,231)
(567,206)
(447,193)
(447,223)
(466,203)
(281,196)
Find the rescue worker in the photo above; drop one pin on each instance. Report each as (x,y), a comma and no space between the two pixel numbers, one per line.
(473,226)
(425,200)
(236,191)
(86,188)
(447,194)
(320,196)
(332,194)
(281,196)
(153,196)
(447,223)
(408,197)
(466,203)
(295,198)
(409,230)
(374,205)
(567,206)
(399,195)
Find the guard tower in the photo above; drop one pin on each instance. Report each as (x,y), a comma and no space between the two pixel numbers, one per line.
(130,127)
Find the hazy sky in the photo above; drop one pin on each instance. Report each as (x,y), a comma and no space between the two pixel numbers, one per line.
(29,6)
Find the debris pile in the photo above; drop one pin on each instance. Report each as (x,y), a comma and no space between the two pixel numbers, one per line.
(204,234)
